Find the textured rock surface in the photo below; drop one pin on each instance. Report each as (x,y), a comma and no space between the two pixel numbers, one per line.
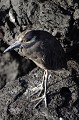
(62,92)
(60,18)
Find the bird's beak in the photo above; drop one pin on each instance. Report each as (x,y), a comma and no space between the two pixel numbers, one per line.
(17,44)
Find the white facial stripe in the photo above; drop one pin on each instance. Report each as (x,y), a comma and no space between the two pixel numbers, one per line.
(30,43)
(32,40)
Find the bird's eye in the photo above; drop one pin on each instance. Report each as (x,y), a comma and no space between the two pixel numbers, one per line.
(24,40)
(27,40)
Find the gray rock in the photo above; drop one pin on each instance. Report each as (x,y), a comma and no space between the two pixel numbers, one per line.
(62,92)
(15,100)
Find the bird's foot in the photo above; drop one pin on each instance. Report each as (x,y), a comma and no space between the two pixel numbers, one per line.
(40,99)
(37,89)
(41,88)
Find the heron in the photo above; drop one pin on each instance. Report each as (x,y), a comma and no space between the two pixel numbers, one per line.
(44,50)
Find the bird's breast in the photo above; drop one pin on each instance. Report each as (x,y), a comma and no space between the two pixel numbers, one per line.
(35,55)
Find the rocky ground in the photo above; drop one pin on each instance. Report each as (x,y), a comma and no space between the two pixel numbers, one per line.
(19,77)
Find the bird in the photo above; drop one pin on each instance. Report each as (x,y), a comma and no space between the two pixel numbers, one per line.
(44,50)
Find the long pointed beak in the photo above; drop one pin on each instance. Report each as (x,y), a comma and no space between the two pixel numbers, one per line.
(17,44)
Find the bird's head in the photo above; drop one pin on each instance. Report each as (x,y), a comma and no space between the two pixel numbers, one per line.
(25,40)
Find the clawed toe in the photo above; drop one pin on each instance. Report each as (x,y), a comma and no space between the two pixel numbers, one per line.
(40,99)
(40,88)
(37,89)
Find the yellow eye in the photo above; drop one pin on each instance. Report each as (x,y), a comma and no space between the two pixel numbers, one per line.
(25,41)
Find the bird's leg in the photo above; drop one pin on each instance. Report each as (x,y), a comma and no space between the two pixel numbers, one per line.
(44,82)
(46,77)
(39,88)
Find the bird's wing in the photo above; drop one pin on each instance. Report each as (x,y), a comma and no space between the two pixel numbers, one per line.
(54,55)
(57,54)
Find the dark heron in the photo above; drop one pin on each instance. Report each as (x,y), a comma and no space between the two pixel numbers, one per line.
(44,50)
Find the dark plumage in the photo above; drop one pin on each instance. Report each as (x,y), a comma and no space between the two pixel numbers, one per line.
(44,50)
